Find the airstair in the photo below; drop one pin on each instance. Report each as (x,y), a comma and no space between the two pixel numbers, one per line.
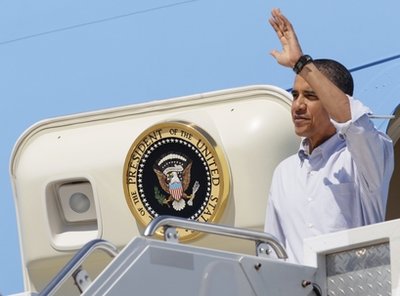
(152,267)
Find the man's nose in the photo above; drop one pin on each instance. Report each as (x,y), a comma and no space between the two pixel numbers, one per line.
(300,103)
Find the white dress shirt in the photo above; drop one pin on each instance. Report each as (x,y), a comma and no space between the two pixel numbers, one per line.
(342,184)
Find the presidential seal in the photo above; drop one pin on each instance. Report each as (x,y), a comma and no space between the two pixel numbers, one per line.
(176,169)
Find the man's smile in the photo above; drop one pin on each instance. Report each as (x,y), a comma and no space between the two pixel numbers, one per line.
(300,119)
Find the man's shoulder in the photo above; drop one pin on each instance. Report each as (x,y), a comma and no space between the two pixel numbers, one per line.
(288,162)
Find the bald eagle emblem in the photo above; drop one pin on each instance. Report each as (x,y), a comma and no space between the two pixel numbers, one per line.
(173,173)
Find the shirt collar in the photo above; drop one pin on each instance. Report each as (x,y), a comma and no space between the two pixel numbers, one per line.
(303,152)
(325,149)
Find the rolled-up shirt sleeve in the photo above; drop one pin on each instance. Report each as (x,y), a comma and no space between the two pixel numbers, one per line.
(372,152)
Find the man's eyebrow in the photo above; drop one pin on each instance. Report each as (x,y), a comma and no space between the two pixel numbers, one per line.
(310,93)
(306,92)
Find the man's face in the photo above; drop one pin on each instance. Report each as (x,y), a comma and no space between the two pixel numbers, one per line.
(310,118)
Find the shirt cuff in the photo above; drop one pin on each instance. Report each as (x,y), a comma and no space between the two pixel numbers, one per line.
(358,109)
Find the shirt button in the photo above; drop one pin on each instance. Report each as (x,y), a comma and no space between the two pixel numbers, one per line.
(309,199)
(310,225)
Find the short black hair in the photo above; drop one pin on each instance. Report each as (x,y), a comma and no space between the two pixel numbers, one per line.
(337,73)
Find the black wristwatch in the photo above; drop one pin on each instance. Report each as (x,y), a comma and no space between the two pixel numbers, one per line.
(302,61)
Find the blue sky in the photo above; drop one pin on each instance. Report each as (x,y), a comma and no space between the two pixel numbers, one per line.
(64,57)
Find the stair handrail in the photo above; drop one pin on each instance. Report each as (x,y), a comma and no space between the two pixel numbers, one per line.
(257,236)
(76,261)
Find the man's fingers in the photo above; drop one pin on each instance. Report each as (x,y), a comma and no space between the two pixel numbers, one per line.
(274,53)
(287,24)
(274,26)
(275,11)
(280,23)
(272,23)
(277,28)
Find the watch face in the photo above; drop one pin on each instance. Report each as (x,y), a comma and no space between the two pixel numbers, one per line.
(303,60)
(176,169)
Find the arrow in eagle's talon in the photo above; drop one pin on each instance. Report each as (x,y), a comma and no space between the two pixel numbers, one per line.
(196,187)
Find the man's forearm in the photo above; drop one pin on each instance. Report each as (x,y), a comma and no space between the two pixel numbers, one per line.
(335,101)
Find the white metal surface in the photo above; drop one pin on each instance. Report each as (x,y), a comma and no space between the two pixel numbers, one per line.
(149,267)
(251,124)
(315,249)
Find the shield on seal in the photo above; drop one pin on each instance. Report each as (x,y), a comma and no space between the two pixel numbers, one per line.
(176,190)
